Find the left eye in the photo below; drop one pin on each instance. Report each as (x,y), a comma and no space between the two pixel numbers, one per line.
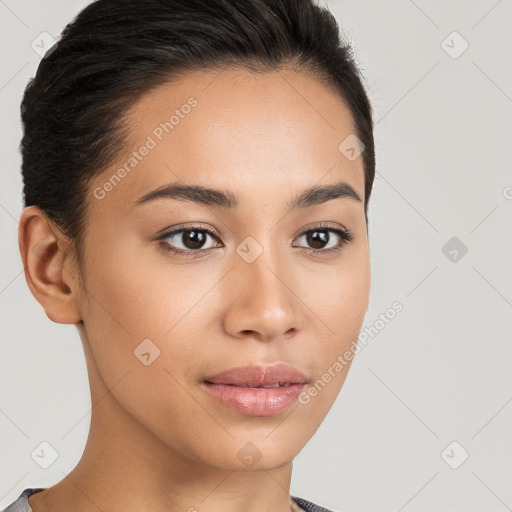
(318,237)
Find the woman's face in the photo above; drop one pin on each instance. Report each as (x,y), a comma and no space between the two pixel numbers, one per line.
(264,278)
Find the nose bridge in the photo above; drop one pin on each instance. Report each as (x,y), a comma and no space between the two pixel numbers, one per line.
(262,301)
(264,279)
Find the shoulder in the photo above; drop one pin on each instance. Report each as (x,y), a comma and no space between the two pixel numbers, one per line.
(308,506)
(21,504)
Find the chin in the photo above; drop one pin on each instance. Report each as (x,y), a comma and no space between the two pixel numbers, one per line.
(259,454)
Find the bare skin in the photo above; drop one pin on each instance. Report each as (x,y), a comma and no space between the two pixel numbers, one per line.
(157,441)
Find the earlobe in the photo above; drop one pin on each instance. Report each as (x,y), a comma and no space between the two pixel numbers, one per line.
(44,254)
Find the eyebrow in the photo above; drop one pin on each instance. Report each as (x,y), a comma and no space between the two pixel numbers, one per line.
(226,199)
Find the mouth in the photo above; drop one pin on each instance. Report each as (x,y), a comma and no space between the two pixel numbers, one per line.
(257,390)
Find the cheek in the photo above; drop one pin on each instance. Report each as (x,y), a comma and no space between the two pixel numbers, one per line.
(338,294)
(137,320)
(139,309)
(132,288)
(337,298)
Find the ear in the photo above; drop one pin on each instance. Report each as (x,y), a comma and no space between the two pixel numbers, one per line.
(49,266)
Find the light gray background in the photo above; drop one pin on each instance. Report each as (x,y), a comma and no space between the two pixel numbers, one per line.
(439,371)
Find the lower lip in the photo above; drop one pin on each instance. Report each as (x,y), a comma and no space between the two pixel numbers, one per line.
(256,401)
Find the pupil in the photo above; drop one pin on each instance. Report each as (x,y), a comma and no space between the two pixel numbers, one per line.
(317,238)
(193,239)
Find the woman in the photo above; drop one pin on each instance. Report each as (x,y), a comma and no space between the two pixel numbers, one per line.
(196,181)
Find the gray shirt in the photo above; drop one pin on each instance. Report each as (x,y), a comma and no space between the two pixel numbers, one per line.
(22,505)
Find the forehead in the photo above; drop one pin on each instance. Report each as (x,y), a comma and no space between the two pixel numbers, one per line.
(253,133)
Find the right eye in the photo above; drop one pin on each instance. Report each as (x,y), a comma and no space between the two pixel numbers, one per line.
(192,240)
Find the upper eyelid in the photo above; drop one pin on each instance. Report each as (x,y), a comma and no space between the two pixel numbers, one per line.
(322,225)
(213,232)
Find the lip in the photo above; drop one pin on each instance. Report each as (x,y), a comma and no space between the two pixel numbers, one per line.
(241,388)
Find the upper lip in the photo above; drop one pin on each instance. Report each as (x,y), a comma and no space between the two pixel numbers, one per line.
(259,375)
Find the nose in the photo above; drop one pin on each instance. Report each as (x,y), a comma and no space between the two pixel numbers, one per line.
(262,304)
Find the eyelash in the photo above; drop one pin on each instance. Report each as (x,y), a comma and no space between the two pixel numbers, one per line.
(345,236)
